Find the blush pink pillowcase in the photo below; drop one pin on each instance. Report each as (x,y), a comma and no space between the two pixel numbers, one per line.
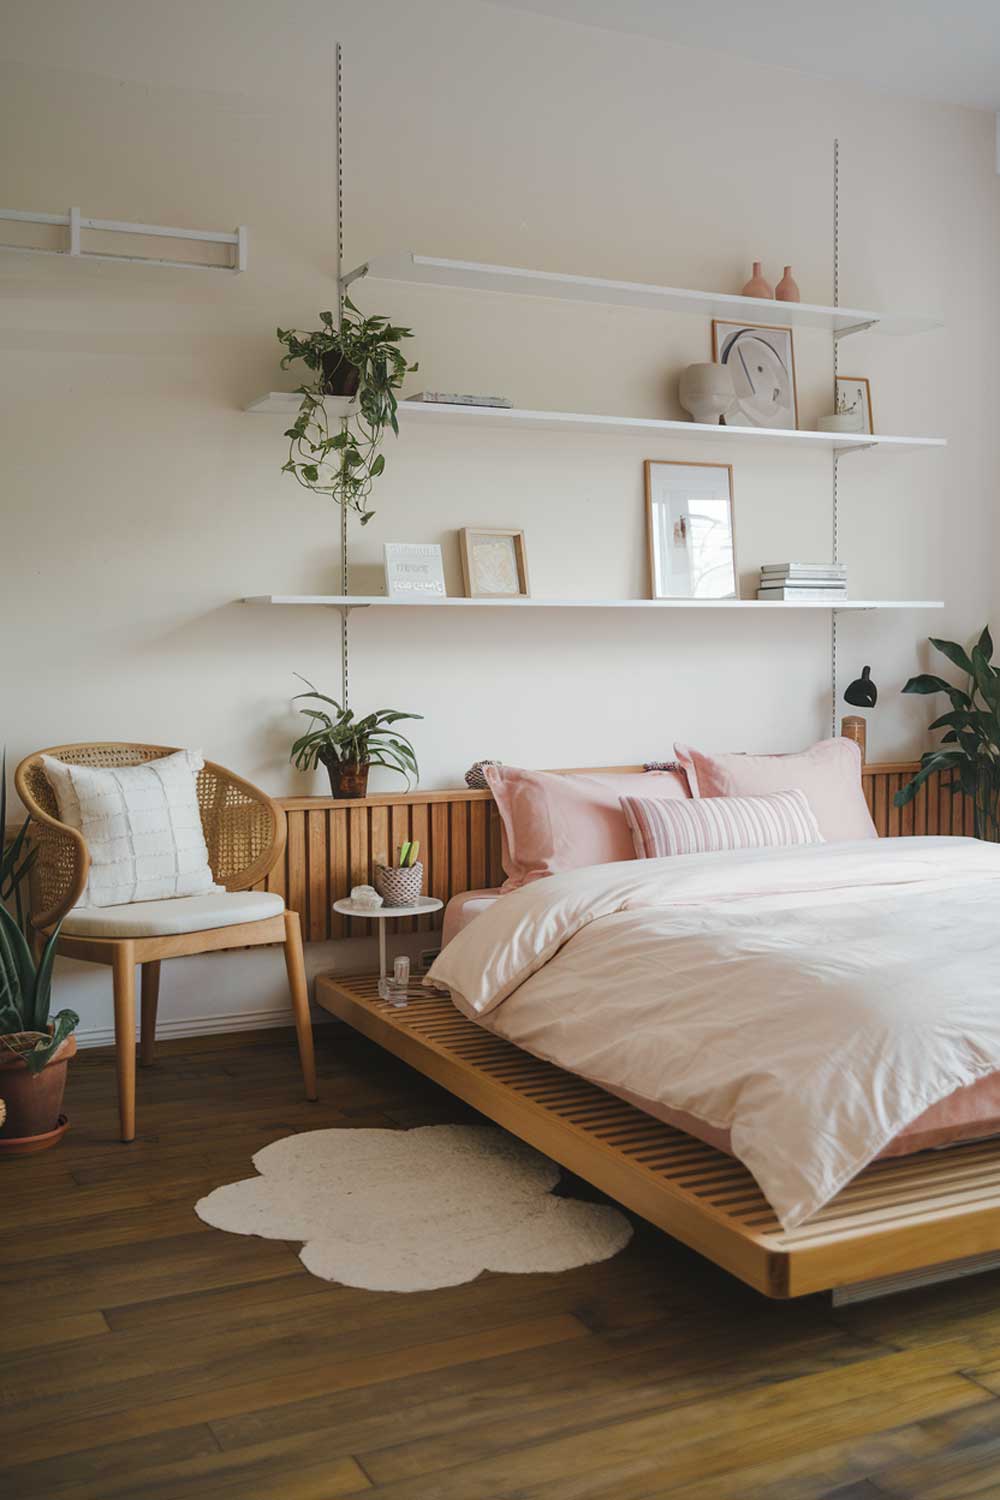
(553,823)
(829,774)
(713,825)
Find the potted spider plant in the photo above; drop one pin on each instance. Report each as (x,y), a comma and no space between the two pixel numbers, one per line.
(358,359)
(348,747)
(971,744)
(35,1046)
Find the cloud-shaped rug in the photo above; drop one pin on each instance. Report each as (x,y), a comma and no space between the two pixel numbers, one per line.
(408,1210)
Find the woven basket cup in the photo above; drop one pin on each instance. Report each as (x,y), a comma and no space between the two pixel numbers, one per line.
(400,885)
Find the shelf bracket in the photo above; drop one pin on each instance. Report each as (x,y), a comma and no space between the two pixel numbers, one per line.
(843,333)
(350,276)
(854,448)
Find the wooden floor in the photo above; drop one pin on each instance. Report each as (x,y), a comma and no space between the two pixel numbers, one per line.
(145,1355)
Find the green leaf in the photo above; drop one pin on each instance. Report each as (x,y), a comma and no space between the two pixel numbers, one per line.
(954,653)
(986,643)
(925,683)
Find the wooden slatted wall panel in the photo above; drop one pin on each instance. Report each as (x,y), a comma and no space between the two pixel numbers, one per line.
(334,845)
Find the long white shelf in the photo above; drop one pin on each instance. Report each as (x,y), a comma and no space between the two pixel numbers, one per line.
(367,601)
(432,413)
(432,270)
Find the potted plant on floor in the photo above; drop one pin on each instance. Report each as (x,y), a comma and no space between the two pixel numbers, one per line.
(349,747)
(359,360)
(971,745)
(35,1046)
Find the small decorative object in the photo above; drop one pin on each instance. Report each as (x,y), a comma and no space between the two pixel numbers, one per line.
(689,515)
(838,422)
(414,571)
(762,361)
(474,777)
(360,358)
(854,398)
(366,896)
(757,286)
(853,727)
(400,885)
(862,692)
(494,563)
(707,392)
(453,398)
(787,289)
(349,746)
(395,986)
(971,746)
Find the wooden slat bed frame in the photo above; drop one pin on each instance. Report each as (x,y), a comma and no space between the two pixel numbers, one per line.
(937,1210)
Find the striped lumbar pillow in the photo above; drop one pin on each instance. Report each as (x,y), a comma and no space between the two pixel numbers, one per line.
(711,825)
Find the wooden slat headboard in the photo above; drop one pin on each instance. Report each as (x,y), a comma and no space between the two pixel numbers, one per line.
(333,845)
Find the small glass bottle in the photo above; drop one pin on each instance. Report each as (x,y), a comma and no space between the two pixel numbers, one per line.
(395,987)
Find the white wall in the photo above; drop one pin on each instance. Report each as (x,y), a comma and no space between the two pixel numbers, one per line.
(139,501)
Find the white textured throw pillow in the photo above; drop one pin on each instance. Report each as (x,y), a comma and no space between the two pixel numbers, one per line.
(141,825)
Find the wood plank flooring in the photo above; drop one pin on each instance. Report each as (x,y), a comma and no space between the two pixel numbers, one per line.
(145,1356)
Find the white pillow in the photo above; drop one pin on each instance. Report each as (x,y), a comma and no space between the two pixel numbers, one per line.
(141,825)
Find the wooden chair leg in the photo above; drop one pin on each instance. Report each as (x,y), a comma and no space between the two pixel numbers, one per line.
(123,978)
(150,1001)
(295,965)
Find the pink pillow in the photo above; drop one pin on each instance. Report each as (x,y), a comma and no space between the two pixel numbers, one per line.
(829,773)
(553,823)
(711,825)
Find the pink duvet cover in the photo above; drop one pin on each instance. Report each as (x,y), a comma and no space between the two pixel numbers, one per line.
(804,1007)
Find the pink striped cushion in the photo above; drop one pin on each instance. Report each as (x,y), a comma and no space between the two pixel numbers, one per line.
(711,825)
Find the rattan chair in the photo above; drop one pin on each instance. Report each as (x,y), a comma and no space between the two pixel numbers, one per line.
(245,834)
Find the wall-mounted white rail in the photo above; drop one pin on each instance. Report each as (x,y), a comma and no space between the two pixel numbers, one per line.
(77,226)
(430,270)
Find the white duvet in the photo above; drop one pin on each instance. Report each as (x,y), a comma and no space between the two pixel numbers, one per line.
(811,1001)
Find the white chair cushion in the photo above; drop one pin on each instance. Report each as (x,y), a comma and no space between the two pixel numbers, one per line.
(141,919)
(141,825)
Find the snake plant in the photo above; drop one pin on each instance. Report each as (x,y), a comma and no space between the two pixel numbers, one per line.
(971,745)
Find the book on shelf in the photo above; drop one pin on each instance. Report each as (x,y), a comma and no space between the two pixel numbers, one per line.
(455,398)
(804,571)
(822,595)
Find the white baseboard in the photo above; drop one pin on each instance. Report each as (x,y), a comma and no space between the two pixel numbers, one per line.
(240,1020)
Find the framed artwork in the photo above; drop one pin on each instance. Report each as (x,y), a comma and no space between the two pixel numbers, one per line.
(414,570)
(762,361)
(494,563)
(854,399)
(689,516)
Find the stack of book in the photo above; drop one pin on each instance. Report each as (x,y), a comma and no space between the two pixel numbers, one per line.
(822,582)
(458,398)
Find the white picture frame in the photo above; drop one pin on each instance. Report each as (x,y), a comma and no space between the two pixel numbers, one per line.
(414,571)
(690,529)
(761,359)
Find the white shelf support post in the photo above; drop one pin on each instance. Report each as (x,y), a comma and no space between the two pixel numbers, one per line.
(74,231)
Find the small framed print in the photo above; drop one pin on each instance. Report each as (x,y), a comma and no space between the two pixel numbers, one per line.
(414,571)
(494,563)
(854,399)
(762,361)
(689,514)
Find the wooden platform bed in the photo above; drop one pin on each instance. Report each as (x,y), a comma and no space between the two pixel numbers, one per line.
(905,1220)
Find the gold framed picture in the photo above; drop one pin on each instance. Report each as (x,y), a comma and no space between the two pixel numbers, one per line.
(494,563)
(689,518)
(854,398)
(762,362)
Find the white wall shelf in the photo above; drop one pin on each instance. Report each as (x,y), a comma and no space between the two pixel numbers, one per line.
(77,225)
(433,414)
(430,270)
(368,601)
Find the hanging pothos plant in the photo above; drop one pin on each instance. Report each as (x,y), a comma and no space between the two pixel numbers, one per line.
(361,359)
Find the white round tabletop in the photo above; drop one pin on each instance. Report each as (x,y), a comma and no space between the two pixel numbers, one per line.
(423,905)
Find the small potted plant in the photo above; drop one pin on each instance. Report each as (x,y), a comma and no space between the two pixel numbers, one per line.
(360,359)
(349,747)
(35,1047)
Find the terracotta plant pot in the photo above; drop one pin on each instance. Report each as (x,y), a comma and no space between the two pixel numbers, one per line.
(33,1100)
(348,778)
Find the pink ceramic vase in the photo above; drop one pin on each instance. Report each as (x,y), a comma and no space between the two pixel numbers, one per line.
(787,289)
(757,286)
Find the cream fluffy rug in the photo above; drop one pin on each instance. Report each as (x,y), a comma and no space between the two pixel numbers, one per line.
(407,1210)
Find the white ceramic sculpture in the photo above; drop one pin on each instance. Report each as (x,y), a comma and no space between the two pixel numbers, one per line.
(706,391)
